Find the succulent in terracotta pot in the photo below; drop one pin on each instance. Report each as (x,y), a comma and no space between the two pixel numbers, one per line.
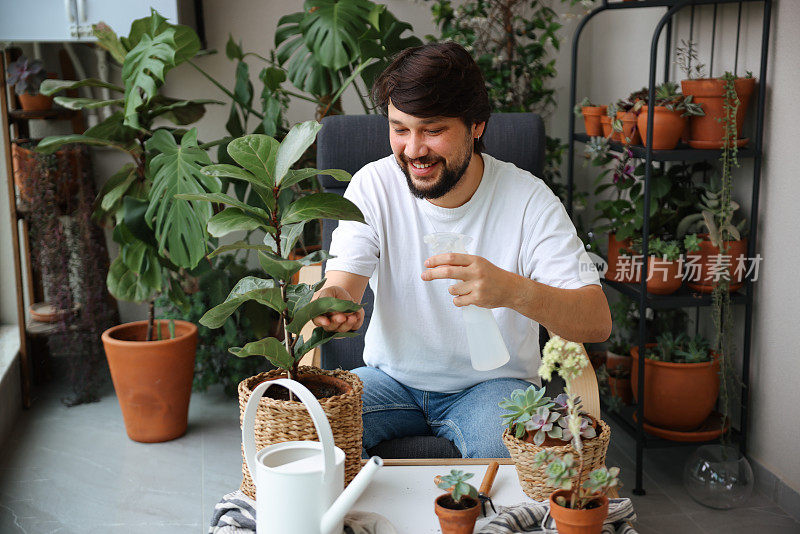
(25,76)
(669,116)
(459,508)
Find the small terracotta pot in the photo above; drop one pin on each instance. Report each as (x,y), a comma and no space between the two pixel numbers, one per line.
(456,521)
(614,248)
(608,131)
(621,387)
(152,379)
(677,396)
(617,361)
(630,132)
(37,102)
(667,127)
(704,282)
(708,130)
(591,119)
(569,521)
(664,277)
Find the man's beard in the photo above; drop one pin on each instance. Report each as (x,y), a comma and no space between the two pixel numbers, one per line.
(449,177)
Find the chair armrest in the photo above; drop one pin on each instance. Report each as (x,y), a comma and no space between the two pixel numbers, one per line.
(586,387)
(310,274)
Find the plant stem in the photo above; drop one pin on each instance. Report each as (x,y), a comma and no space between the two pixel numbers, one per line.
(151,316)
(224,90)
(302,97)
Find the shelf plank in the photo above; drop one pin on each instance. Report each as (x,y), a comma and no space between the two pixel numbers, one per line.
(681,153)
(667,3)
(49,114)
(683,298)
(38,328)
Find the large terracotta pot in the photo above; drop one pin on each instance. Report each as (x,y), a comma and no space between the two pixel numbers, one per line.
(153,379)
(454,521)
(704,282)
(620,386)
(591,119)
(707,131)
(37,102)
(667,127)
(569,521)
(630,133)
(664,277)
(677,396)
(617,361)
(614,247)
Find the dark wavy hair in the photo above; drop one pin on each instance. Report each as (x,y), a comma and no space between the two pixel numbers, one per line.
(435,80)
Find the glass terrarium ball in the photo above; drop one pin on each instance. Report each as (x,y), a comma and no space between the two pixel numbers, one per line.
(719,477)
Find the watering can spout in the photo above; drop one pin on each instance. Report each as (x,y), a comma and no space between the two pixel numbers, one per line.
(335,514)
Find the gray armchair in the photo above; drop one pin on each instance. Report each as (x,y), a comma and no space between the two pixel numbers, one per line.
(351,141)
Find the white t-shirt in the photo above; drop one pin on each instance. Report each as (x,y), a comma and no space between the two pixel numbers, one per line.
(416,334)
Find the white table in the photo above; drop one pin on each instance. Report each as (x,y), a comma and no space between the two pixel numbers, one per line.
(403,490)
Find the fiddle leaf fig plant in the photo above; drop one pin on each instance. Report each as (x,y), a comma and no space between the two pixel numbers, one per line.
(266,167)
(161,239)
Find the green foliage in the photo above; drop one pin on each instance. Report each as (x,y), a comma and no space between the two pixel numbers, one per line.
(457,479)
(25,75)
(714,217)
(265,165)
(561,471)
(685,55)
(585,103)
(680,349)
(521,405)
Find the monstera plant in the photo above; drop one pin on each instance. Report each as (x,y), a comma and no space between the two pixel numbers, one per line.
(265,164)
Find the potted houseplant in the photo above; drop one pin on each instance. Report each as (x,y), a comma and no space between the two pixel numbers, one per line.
(624,122)
(458,509)
(681,382)
(26,76)
(536,423)
(577,509)
(606,123)
(669,116)
(161,239)
(665,262)
(591,116)
(707,131)
(265,166)
(714,227)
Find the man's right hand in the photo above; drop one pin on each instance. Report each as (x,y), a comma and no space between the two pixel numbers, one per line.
(338,321)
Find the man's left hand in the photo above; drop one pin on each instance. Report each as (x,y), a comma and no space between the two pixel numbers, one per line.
(482,283)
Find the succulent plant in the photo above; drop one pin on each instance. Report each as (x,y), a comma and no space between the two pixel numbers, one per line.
(710,216)
(669,344)
(697,350)
(587,431)
(578,109)
(457,480)
(542,424)
(601,479)
(668,96)
(560,471)
(26,75)
(522,404)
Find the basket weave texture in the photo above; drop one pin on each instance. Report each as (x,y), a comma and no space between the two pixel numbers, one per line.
(534,479)
(278,421)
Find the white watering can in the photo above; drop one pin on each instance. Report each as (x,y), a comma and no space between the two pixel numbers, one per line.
(299,483)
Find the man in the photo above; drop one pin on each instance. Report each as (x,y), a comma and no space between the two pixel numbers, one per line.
(418,377)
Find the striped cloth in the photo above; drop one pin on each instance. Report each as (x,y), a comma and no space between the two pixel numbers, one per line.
(236,514)
(535,517)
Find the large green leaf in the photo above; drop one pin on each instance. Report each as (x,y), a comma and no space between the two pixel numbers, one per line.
(233,220)
(135,275)
(113,129)
(50,87)
(270,348)
(222,198)
(108,40)
(322,206)
(180,112)
(180,225)
(293,146)
(299,295)
(239,245)
(224,170)
(116,186)
(280,268)
(331,29)
(256,153)
(243,87)
(290,233)
(48,145)
(248,288)
(318,307)
(318,337)
(381,42)
(294,176)
(86,103)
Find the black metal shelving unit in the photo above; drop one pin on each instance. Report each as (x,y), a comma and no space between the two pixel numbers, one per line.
(683,298)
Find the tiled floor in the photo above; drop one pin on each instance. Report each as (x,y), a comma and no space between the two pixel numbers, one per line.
(73,470)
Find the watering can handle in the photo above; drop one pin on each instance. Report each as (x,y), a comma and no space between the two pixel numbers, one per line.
(317,416)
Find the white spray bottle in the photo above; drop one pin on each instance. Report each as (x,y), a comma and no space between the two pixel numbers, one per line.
(486,346)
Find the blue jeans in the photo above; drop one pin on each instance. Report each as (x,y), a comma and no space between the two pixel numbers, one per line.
(469,418)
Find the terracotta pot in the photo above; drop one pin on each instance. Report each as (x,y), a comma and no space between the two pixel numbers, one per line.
(667,127)
(591,119)
(677,396)
(664,277)
(597,357)
(67,174)
(617,361)
(704,282)
(456,521)
(630,132)
(621,387)
(37,102)
(614,247)
(569,521)
(608,131)
(153,379)
(708,130)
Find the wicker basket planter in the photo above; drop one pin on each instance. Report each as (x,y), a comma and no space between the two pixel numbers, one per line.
(278,421)
(534,480)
